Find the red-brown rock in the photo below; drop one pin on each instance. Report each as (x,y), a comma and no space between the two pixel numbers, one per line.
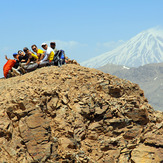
(76,114)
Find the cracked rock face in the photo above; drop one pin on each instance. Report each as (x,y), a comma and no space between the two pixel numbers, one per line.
(77,114)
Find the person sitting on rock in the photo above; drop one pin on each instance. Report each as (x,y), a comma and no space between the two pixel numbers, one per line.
(53,46)
(31,56)
(10,67)
(20,58)
(67,60)
(23,58)
(16,57)
(59,55)
(39,52)
(31,64)
(48,58)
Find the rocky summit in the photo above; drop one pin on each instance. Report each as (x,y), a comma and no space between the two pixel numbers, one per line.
(77,114)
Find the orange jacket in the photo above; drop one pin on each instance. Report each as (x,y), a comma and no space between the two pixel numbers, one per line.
(8,66)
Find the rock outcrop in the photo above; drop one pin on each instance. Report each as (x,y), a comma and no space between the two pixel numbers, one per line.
(76,114)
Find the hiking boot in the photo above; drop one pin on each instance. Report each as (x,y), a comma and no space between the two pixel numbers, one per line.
(22,70)
(12,74)
(9,75)
(16,72)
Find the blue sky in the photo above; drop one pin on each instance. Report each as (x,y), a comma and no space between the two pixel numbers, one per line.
(83,28)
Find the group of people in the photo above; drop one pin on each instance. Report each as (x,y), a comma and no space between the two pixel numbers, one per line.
(27,61)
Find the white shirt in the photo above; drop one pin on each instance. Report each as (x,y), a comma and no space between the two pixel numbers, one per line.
(47,53)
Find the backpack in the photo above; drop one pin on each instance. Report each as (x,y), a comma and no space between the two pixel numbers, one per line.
(59,58)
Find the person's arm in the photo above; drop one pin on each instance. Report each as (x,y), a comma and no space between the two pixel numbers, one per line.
(39,56)
(23,60)
(29,59)
(42,55)
(33,55)
(51,56)
(6,57)
(45,58)
(55,51)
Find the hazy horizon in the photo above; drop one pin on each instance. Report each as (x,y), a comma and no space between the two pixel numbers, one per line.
(84,29)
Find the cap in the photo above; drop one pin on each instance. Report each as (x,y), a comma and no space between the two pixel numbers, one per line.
(15,54)
(43,44)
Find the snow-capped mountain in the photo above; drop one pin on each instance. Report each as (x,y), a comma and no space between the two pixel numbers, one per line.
(144,48)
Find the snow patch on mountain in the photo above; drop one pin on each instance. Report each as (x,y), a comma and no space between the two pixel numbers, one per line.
(155,78)
(144,48)
(124,67)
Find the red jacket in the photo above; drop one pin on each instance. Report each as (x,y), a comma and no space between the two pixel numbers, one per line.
(8,66)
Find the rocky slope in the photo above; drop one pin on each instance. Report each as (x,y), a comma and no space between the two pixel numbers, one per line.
(77,114)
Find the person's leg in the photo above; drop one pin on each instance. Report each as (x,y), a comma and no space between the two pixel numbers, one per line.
(15,71)
(41,57)
(9,75)
(51,63)
(43,64)
(31,67)
(22,64)
(21,70)
(38,55)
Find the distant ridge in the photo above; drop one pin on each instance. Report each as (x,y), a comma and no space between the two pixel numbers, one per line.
(149,77)
(146,47)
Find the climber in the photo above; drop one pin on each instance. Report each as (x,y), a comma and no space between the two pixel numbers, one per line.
(53,46)
(31,56)
(59,55)
(39,52)
(10,67)
(48,58)
(31,64)
(23,58)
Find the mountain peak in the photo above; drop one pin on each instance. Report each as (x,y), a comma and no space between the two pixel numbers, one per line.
(76,114)
(155,31)
(146,47)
